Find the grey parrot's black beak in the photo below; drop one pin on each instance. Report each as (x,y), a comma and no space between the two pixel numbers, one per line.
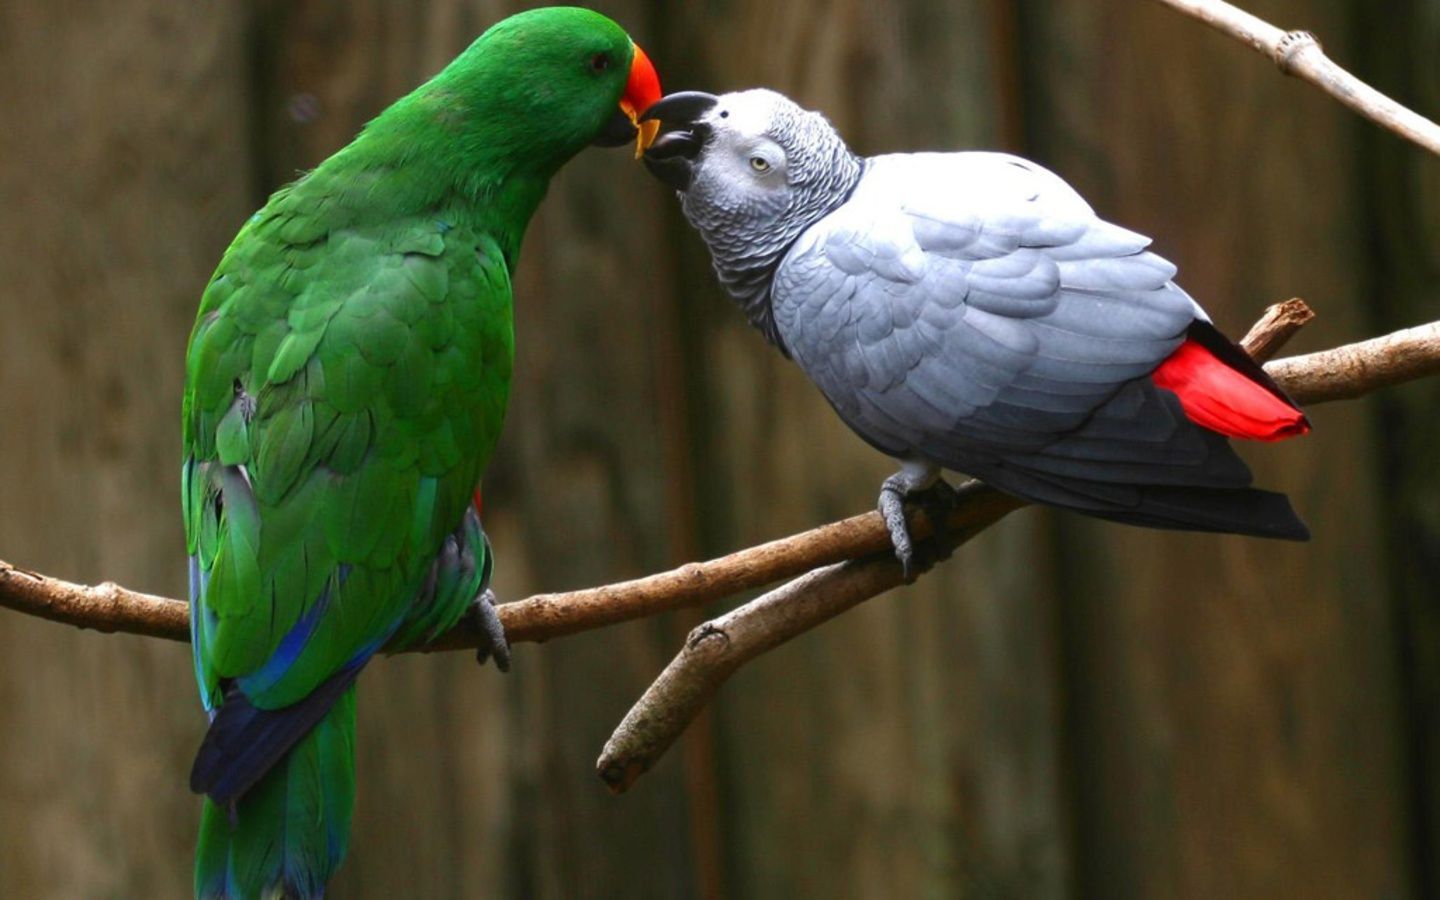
(671,158)
(680,108)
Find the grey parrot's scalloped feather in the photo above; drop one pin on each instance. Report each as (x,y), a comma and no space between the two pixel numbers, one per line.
(948,278)
(970,310)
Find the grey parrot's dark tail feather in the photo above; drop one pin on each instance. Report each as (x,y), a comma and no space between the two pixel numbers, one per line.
(1247,511)
(1139,460)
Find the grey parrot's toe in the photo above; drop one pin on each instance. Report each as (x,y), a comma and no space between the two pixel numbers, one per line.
(493,644)
(938,500)
(892,509)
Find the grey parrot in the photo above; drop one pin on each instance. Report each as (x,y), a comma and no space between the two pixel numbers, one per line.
(969,311)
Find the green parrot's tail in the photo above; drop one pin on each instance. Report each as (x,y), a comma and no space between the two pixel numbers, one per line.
(288,833)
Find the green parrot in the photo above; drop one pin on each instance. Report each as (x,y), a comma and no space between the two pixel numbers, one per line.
(345,384)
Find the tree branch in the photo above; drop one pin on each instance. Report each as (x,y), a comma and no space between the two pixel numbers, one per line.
(114,609)
(851,559)
(1357,369)
(106,607)
(1298,53)
(1341,373)
(1275,326)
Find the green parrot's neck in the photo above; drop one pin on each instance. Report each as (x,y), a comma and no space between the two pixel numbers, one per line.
(434,153)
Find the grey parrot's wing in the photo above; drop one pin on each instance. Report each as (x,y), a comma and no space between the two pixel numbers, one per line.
(973,300)
(971,310)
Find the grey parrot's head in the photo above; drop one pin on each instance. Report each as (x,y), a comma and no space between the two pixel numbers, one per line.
(752,158)
(753,171)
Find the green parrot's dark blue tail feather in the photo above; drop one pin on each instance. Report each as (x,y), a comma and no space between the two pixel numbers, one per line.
(287,834)
(244,742)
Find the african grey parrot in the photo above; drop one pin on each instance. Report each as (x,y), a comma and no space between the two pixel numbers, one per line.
(969,311)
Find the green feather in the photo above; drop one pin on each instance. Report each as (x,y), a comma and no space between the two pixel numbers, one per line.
(287,351)
(284,447)
(380,338)
(232,437)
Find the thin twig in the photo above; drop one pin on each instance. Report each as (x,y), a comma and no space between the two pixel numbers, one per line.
(1298,53)
(546,616)
(1276,326)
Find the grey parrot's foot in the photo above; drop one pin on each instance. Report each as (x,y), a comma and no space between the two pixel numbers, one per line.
(938,501)
(493,644)
(937,498)
(892,509)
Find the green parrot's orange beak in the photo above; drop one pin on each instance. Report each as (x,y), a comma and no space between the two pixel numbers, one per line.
(641,90)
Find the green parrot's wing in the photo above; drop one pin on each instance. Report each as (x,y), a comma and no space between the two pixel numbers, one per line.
(344,387)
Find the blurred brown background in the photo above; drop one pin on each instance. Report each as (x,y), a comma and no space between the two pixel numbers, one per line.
(1066,709)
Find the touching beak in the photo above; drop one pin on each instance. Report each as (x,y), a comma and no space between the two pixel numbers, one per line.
(642,89)
(671,157)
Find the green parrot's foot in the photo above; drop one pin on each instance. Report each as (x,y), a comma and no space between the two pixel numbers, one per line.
(493,644)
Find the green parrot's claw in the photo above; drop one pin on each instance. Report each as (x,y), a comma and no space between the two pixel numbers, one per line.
(493,644)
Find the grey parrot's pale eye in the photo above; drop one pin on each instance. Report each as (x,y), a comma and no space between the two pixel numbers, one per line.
(762,156)
(766,161)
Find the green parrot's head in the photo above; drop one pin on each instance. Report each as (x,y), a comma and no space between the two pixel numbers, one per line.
(547,83)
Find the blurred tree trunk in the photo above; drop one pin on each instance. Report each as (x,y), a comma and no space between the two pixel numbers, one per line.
(1401,186)
(124,170)
(1233,706)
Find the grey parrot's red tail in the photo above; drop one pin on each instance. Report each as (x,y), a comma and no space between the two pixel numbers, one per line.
(1221,388)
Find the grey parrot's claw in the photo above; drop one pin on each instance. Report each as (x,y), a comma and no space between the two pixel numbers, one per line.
(493,644)
(938,501)
(892,509)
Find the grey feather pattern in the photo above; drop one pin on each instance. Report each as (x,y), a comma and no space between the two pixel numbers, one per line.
(748,236)
(989,310)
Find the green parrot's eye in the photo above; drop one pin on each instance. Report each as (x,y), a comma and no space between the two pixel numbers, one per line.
(759,164)
(600,62)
